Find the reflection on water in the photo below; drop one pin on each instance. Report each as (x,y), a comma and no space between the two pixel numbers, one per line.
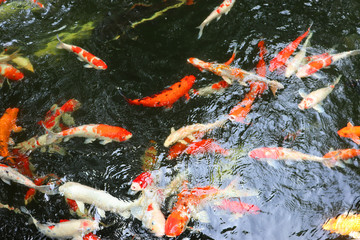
(295,198)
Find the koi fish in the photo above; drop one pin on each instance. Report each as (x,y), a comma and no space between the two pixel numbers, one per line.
(7,125)
(350,131)
(189,202)
(284,54)
(150,157)
(237,207)
(216,87)
(205,146)
(344,224)
(6,58)
(100,199)
(225,7)
(178,148)
(321,61)
(8,174)
(180,134)
(279,153)
(55,114)
(73,228)
(34,143)
(91,236)
(167,97)
(83,55)
(37,3)
(229,73)
(295,63)
(10,72)
(314,99)
(142,181)
(341,154)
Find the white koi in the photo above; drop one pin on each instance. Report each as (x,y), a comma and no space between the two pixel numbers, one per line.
(314,99)
(218,11)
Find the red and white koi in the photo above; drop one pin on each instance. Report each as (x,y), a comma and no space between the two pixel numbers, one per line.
(224,8)
(205,146)
(142,181)
(8,174)
(55,114)
(229,73)
(350,131)
(100,199)
(187,131)
(284,54)
(237,207)
(294,64)
(341,155)
(73,228)
(314,99)
(168,96)
(83,55)
(279,153)
(321,61)
(37,3)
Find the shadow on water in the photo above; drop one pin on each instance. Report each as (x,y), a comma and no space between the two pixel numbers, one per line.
(295,199)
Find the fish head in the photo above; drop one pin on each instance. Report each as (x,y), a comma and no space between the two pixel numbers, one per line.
(87,226)
(101,65)
(177,221)
(347,131)
(71,105)
(13,74)
(154,220)
(201,65)
(13,112)
(142,181)
(329,224)
(306,103)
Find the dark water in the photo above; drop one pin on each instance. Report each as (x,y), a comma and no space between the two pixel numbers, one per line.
(295,199)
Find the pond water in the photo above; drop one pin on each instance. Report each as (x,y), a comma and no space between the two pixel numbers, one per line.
(295,199)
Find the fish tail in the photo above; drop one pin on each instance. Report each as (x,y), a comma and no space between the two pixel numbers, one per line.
(60,45)
(274,86)
(47,189)
(232,190)
(201,27)
(329,162)
(337,80)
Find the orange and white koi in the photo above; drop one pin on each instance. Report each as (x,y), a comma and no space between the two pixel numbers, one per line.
(279,153)
(187,131)
(55,114)
(294,64)
(216,87)
(350,131)
(237,207)
(205,146)
(73,228)
(100,199)
(284,54)
(7,125)
(341,154)
(190,201)
(168,96)
(314,99)
(229,73)
(321,61)
(10,72)
(8,174)
(224,8)
(83,55)
(344,224)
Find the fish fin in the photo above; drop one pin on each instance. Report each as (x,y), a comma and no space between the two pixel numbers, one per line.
(101,212)
(330,162)
(47,189)
(11,141)
(79,58)
(273,163)
(183,142)
(274,86)
(228,62)
(319,108)
(349,161)
(201,27)
(81,206)
(228,80)
(355,235)
(356,139)
(89,140)
(302,93)
(77,237)
(191,137)
(88,66)
(172,129)
(60,45)
(66,139)
(6,181)
(106,141)
(202,216)
(218,18)
(349,124)
(68,119)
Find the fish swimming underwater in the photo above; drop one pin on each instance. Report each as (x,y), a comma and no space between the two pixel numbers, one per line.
(187,131)
(344,224)
(168,96)
(321,61)
(10,72)
(314,99)
(352,132)
(341,155)
(7,125)
(83,55)
(224,8)
(282,57)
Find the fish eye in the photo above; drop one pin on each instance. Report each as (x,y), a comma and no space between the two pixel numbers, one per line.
(153,223)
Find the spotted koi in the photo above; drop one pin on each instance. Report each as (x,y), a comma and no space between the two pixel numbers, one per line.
(83,55)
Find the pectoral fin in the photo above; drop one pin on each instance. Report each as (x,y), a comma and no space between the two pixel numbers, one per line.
(302,93)
(227,80)
(103,142)
(88,66)
(81,206)
(89,140)
(6,181)
(101,212)
(356,139)
(355,235)
(319,108)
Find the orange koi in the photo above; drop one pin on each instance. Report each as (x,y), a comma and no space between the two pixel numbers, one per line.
(320,61)
(7,125)
(350,131)
(178,148)
(167,97)
(206,146)
(83,55)
(54,115)
(10,72)
(284,54)
(344,224)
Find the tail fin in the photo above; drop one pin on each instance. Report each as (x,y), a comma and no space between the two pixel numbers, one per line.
(47,189)
(201,27)
(274,86)
(337,80)
(60,45)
